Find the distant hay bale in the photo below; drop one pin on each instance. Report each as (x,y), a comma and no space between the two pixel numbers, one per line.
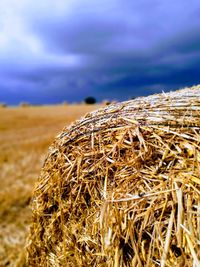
(24,104)
(121,187)
(108,102)
(3,105)
(65,103)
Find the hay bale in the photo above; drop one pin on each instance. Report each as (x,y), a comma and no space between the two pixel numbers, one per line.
(24,104)
(65,103)
(121,187)
(108,102)
(3,105)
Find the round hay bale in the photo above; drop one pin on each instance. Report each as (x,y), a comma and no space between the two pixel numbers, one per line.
(24,104)
(3,105)
(121,187)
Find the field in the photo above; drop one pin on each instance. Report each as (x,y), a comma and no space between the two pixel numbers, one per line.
(25,134)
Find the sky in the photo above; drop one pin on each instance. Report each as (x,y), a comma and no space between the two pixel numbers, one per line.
(65,50)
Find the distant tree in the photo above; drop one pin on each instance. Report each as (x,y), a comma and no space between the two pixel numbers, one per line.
(90,100)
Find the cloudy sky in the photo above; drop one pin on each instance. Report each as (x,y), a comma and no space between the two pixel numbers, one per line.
(56,50)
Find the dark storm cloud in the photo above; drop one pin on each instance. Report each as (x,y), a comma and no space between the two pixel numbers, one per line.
(119,28)
(108,50)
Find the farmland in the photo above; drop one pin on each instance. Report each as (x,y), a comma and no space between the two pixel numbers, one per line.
(25,134)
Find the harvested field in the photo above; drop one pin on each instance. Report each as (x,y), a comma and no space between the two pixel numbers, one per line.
(121,187)
(25,135)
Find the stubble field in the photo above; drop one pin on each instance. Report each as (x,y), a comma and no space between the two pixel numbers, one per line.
(25,135)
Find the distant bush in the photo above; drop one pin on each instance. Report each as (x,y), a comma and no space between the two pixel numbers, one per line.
(90,100)
(24,104)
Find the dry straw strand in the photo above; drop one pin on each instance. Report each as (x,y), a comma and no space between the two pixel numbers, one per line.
(121,187)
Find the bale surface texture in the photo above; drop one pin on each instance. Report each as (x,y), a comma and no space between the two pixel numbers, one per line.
(121,187)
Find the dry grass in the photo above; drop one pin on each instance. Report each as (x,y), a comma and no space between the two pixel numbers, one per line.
(121,187)
(25,135)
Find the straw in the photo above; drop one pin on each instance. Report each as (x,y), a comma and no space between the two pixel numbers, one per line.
(121,187)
